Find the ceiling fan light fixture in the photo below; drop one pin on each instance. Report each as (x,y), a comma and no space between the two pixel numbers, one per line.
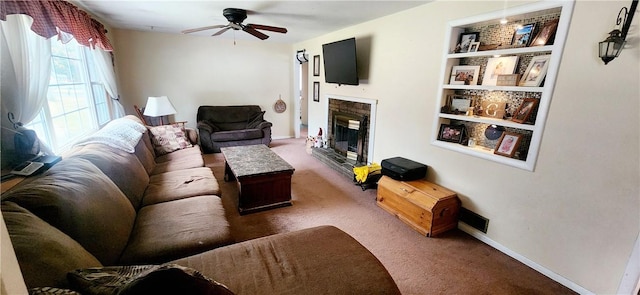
(236,16)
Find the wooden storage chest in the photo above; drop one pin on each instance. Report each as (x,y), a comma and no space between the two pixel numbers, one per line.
(426,207)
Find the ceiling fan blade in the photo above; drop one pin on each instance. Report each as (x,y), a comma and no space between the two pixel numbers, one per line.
(202,29)
(268,28)
(221,31)
(255,33)
(235,26)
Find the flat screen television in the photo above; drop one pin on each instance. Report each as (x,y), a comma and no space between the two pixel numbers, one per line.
(340,66)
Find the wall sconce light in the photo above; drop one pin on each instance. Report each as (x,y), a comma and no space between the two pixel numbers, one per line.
(611,47)
(301,56)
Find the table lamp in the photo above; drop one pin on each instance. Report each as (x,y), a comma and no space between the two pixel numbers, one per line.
(159,106)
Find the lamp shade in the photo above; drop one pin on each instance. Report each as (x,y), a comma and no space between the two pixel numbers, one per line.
(159,106)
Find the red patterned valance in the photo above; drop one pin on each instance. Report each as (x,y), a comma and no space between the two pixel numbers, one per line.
(52,16)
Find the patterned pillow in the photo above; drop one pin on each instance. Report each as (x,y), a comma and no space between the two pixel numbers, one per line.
(144,279)
(51,291)
(168,138)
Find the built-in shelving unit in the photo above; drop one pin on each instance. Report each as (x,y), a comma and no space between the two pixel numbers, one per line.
(492,32)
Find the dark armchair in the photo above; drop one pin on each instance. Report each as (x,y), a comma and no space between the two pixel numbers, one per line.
(223,126)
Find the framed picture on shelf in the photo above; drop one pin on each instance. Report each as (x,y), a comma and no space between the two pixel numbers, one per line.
(546,35)
(536,71)
(508,144)
(498,66)
(524,110)
(464,75)
(474,46)
(451,133)
(316,65)
(460,104)
(465,40)
(523,35)
(316,91)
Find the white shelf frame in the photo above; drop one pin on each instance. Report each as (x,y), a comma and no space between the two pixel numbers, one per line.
(546,92)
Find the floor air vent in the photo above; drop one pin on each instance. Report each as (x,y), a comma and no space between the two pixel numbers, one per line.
(474,220)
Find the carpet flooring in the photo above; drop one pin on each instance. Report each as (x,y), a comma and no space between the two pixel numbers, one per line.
(452,263)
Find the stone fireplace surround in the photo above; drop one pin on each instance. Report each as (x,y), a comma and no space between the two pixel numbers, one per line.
(357,107)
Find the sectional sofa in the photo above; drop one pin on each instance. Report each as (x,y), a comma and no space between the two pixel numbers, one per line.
(137,204)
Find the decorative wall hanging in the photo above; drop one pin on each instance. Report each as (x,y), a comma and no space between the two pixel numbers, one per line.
(316,91)
(316,65)
(280,106)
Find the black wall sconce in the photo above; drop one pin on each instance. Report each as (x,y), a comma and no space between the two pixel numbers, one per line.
(611,47)
(301,56)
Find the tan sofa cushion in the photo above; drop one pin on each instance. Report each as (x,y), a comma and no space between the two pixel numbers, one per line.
(180,184)
(44,253)
(178,160)
(184,163)
(81,201)
(122,168)
(145,154)
(180,155)
(320,260)
(170,230)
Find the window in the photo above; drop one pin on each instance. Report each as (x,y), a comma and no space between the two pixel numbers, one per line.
(77,102)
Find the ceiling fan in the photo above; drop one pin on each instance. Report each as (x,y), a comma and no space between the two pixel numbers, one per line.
(236,16)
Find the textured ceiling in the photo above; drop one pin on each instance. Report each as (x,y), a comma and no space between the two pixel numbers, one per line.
(303,19)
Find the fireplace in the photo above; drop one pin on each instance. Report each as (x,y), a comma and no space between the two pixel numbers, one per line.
(348,134)
(349,126)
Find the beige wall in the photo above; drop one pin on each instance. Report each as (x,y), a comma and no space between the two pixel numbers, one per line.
(578,214)
(195,70)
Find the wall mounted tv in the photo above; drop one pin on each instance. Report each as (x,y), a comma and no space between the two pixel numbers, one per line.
(340,66)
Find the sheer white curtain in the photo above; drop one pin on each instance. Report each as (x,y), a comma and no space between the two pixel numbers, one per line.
(26,61)
(104,67)
(26,65)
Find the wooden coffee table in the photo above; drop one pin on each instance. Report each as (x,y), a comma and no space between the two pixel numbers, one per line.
(263,178)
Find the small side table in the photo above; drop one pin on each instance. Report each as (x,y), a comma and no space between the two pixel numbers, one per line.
(10,183)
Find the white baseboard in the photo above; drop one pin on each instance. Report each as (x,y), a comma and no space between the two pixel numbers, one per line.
(630,283)
(541,269)
(280,137)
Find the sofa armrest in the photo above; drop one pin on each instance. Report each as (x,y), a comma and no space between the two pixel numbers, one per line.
(327,260)
(205,129)
(192,135)
(264,124)
(204,126)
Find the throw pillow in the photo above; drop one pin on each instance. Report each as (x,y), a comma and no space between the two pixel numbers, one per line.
(144,279)
(255,119)
(51,291)
(168,138)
